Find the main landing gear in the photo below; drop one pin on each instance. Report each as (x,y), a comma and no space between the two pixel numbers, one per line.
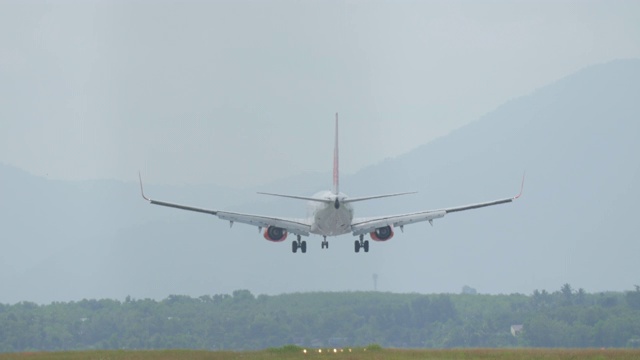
(325,243)
(298,244)
(361,244)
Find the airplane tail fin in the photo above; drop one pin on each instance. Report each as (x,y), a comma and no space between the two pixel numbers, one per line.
(336,182)
(336,160)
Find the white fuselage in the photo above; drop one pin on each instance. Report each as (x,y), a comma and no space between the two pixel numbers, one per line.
(325,219)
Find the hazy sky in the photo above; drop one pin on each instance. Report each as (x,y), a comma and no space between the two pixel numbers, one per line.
(242,93)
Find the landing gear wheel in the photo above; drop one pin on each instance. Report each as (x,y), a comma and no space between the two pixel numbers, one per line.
(357,246)
(325,243)
(366,246)
(298,244)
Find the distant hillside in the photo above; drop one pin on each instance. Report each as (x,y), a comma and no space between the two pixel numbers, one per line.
(576,139)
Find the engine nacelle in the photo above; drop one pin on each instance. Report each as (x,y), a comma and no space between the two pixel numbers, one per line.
(382,234)
(275,234)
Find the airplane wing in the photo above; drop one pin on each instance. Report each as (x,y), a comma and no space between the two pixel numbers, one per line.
(367,225)
(294,226)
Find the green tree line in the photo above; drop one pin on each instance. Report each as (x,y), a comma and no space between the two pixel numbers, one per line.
(242,321)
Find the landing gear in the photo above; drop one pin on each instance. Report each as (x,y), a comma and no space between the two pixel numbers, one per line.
(325,243)
(361,244)
(298,244)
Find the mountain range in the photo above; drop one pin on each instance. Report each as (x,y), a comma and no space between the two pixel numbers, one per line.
(577,140)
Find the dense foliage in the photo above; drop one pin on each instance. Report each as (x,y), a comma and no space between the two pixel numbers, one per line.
(294,353)
(565,318)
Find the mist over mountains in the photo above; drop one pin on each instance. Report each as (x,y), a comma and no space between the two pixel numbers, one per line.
(575,223)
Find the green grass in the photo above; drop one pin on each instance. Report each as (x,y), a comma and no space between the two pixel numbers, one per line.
(374,353)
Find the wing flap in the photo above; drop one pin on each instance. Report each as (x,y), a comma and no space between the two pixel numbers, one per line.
(294,226)
(478,205)
(183,207)
(363,226)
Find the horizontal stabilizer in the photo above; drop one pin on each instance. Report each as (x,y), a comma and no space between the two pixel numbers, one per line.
(298,197)
(349,200)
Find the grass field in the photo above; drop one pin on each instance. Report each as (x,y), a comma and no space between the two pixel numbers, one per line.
(355,354)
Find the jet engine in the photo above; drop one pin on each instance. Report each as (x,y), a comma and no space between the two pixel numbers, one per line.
(275,234)
(382,234)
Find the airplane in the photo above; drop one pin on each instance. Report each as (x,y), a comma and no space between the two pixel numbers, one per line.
(332,214)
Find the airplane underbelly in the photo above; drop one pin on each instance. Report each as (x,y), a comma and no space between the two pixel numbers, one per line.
(332,222)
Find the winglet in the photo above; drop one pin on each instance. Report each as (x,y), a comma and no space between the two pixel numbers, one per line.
(141,189)
(521,187)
